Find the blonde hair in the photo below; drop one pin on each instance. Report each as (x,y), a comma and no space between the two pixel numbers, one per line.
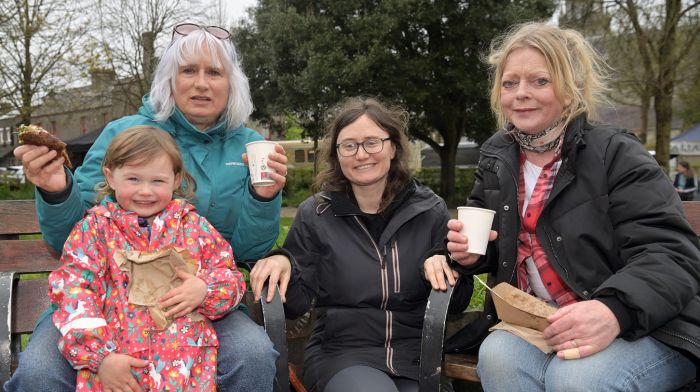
(578,71)
(142,144)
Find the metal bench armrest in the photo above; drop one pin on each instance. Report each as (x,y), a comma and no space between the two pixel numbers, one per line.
(432,339)
(6,296)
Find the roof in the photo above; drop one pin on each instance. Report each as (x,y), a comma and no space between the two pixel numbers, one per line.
(691,135)
(83,143)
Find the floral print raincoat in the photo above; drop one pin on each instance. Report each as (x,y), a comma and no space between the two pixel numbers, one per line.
(95,318)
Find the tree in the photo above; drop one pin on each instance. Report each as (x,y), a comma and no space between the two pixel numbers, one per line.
(128,37)
(35,44)
(305,56)
(661,49)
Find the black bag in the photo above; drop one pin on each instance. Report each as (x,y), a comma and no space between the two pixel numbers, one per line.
(468,339)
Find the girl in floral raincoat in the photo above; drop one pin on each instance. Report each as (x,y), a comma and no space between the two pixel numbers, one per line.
(116,344)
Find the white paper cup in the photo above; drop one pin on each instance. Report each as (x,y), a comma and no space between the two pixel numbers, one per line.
(260,173)
(476,225)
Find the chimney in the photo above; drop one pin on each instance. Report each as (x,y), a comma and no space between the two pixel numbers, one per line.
(149,55)
(102,79)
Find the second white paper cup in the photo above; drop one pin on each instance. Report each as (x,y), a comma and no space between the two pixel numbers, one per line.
(257,162)
(476,225)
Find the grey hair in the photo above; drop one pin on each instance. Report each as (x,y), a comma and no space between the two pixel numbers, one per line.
(184,50)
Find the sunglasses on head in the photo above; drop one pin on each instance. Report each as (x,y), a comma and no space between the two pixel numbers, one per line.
(187,28)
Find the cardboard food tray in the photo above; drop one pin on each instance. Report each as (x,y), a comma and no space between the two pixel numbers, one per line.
(520,308)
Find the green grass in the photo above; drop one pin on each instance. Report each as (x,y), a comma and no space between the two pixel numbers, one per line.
(285,224)
(479,295)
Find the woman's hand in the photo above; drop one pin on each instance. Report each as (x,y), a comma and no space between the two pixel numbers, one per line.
(276,160)
(581,329)
(458,244)
(276,269)
(42,167)
(185,298)
(435,269)
(115,373)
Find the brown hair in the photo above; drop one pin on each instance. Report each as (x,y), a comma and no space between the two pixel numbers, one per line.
(689,173)
(141,144)
(392,119)
(578,71)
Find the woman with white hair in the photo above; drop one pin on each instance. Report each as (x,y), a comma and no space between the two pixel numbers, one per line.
(201,97)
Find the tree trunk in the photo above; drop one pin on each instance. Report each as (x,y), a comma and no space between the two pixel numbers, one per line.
(448,171)
(644,117)
(664,111)
(663,97)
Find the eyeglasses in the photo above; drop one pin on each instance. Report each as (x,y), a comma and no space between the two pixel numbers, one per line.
(187,28)
(372,145)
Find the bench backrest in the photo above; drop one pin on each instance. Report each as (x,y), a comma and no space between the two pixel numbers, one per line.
(23,300)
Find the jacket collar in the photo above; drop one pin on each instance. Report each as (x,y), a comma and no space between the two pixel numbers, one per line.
(180,124)
(344,203)
(127,221)
(422,199)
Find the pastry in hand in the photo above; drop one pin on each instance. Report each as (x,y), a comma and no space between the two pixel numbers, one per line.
(38,136)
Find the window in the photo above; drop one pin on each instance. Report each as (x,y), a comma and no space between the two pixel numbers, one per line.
(299,156)
(312,155)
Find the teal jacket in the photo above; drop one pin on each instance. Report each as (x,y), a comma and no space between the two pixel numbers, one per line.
(213,157)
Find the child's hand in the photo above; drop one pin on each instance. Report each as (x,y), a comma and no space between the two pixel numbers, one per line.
(186,298)
(115,373)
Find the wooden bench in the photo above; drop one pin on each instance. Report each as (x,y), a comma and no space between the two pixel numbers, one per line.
(23,300)
(463,367)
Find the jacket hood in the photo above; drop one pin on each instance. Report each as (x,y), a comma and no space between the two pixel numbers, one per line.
(127,221)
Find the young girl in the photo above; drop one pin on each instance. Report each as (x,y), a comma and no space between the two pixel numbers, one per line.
(114,343)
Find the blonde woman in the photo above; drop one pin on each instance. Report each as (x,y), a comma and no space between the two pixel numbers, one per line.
(586,221)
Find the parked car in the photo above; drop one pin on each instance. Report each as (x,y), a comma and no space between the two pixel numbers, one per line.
(467,155)
(13,175)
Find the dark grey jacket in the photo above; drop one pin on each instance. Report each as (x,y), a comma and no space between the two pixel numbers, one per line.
(370,296)
(613,229)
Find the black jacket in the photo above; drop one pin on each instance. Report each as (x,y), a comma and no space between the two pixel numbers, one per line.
(613,229)
(370,295)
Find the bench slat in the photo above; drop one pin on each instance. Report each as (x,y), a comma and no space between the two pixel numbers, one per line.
(461,367)
(31,299)
(19,217)
(27,256)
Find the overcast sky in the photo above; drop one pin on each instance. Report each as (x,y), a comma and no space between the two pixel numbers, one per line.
(236,8)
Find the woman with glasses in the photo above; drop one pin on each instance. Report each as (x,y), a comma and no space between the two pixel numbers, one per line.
(359,249)
(200,96)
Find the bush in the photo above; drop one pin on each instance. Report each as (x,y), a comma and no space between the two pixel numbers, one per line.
(299,181)
(464,182)
(298,186)
(16,191)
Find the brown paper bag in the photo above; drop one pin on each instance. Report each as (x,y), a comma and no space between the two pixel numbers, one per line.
(532,336)
(520,308)
(152,274)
